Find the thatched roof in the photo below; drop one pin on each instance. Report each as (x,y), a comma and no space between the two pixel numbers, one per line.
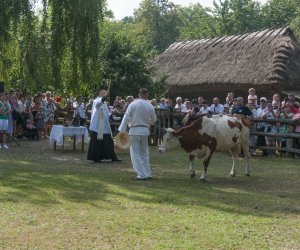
(267,57)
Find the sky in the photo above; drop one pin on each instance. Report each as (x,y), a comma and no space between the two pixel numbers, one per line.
(122,8)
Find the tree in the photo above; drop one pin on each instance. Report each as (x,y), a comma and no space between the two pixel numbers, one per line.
(237,16)
(197,22)
(159,20)
(123,59)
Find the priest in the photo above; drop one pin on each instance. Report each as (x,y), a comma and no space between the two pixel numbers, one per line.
(101,143)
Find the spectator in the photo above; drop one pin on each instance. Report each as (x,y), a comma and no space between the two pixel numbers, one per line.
(216,107)
(4,110)
(276,102)
(261,140)
(10,128)
(252,138)
(200,101)
(38,115)
(118,108)
(169,103)
(297,129)
(285,128)
(129,99)
(269,113)
(179,107)
(204,110)
(50,113)
(163,104)
(193,113)
(154,103)
(31,128)
(230,99)
(188,105)
(79,111)
(226,109)
(196,106)
(291,103)
(240,108)
(252,96)
(88,107)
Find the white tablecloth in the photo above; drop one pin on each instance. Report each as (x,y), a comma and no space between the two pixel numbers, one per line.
(58,131)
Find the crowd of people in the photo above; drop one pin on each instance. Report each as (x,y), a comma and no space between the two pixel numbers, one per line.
(32,116)
(260,108)
(26,115)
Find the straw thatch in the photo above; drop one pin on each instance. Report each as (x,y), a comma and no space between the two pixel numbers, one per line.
(268,60)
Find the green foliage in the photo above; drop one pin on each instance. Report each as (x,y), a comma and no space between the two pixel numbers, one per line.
(196,22)
(237,16)
(123,59)
(75,47)
(159,22)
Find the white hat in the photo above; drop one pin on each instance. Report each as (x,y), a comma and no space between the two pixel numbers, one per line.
(122,140)
(263,99)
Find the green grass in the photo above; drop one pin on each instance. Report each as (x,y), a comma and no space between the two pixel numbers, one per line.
(55,200)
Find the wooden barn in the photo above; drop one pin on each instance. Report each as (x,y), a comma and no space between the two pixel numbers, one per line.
(267,60)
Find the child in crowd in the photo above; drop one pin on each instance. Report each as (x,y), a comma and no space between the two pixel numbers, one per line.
(252,96)
(32,132)
(226,109)
(276,102)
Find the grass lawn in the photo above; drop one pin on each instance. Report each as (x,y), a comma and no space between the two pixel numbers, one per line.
(55,200)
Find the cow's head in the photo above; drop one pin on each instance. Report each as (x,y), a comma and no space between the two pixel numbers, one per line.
(170,141)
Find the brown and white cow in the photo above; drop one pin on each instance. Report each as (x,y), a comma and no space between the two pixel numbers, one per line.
(207,135)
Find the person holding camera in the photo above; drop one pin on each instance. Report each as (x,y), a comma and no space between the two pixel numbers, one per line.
(79,113)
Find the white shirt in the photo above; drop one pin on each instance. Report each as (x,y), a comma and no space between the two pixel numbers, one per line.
(94,125)
(254,113)
(219,109)
(204,110)
(139,116)
(80,110)
(180,108)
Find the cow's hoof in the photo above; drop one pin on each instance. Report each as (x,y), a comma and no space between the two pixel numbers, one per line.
(232,175)
(193,176)
(202,179)
(247,174)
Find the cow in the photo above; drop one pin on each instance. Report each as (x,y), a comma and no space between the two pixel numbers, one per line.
(207,135)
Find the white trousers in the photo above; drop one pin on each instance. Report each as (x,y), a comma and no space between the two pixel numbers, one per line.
(139,153)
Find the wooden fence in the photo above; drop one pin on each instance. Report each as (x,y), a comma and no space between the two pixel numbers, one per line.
(167,119)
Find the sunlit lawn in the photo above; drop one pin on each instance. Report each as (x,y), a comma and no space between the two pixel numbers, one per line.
(55,200)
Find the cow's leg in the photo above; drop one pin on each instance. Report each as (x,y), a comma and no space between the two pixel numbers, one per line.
(234,152)
(191,166)
(205,165)
(245,147)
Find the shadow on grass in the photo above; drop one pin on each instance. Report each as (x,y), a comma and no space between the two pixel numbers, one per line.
(273,188)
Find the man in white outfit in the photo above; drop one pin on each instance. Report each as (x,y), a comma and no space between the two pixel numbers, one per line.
(139,115)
